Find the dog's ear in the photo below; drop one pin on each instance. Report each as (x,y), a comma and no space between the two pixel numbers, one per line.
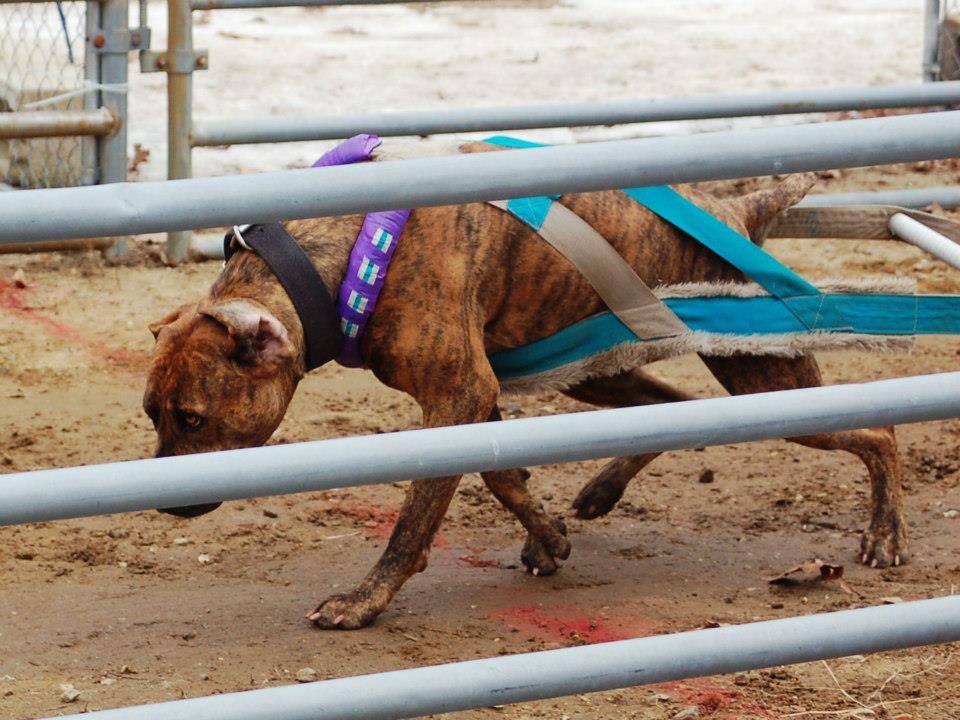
(172,317)
(260,337)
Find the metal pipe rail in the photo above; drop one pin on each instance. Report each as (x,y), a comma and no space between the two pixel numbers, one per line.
(56,123)
(429,122)
(327,464)
(947,197)
(126,208)
(568,671)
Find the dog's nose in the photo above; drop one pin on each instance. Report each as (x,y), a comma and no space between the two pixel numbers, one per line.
(191,511)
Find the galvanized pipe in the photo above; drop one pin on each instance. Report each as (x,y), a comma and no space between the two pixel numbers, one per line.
(179,110)
(213,202)
(326,464)
(90,144)
(947,197)
(254,4)
(925,238)
(429,122)
(57,123)
(112,148)
(930,66)
(590,668)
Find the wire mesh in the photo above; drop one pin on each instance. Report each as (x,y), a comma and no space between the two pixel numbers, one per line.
(41,56)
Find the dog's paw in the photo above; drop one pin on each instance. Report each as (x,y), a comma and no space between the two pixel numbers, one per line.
(540,555)
(880,548)
(597,498)
(347,611)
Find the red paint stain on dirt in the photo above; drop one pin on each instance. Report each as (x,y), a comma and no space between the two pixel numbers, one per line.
(377,523)
(13,300)
(711,699)
(571,627)
(478,562)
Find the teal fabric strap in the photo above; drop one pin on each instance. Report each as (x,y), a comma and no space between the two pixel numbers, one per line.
(737,317)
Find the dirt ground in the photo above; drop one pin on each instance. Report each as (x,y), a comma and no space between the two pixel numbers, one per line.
(145,607)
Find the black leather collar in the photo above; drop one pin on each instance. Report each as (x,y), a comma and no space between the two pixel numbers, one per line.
(316,308)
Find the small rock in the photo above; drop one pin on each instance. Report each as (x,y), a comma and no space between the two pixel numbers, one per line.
(118,533)
(204,676)
(687,714)
(951,514)
(204,559)
(108,681)
(828,174)
(891,600)
(24,555)
(182,541)
(706,476)
(270,514)
(307,674)
(68,693)
(20,278)
(127,670)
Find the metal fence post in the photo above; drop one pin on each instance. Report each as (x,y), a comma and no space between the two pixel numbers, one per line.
(931,40)
(180,61)
(89,144)
(114,17)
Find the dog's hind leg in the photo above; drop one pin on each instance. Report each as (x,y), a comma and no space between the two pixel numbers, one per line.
(884,542)
(546,535)
(629,388)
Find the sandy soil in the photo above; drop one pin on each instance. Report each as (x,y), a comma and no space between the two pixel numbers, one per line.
(123,608)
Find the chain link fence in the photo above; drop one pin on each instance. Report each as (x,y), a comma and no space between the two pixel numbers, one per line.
(41,57)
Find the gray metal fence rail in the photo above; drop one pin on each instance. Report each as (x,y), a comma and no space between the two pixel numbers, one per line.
(212,202)
(592,668)
(612,112)
(326,464)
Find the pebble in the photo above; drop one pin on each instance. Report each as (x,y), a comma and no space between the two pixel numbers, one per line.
(270,514)
(182,541)
(118,533)
(108,681)
(951,514)
(20,278)
(204,559)
(706,476)
(307,674)
(68,693)
(687,714)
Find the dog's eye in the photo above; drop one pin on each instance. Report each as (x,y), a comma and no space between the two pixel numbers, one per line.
(191,422)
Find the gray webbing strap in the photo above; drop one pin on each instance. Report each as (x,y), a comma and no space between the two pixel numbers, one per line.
(627,296)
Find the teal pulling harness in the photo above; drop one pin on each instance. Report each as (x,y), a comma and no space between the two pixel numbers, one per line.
(793,306)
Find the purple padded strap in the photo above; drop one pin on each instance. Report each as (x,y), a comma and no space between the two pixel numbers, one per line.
(369,258)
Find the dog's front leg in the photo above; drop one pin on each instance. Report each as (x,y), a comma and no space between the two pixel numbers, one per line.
(465,392)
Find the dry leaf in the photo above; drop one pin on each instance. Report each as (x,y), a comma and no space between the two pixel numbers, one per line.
(815,570)
(140,155)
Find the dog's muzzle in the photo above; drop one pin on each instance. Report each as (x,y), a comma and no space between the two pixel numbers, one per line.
(191,511)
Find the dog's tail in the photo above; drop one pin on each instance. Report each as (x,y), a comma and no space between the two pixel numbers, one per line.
(759,209)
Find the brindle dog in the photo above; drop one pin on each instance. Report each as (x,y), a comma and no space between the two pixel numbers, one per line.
(467,281)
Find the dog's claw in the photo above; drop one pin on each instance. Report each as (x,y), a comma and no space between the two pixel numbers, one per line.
(540,554)
(338,619)
(884,547)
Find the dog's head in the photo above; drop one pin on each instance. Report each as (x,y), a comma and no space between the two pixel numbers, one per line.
(221,378)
